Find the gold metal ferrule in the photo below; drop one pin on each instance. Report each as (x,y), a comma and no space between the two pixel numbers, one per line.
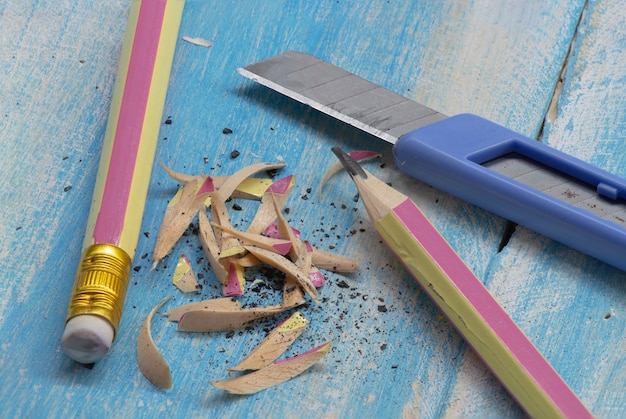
(101,283)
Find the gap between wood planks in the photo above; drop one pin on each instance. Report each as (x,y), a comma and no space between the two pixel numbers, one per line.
(551,114)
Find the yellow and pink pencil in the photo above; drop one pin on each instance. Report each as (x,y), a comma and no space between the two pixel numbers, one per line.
(504,348)
(99,291)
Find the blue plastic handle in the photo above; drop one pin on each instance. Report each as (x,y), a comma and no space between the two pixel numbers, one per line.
(450,154)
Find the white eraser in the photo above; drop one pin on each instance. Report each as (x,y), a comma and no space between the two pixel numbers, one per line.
(87,338)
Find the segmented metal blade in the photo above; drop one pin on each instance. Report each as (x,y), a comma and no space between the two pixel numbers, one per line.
(341,94)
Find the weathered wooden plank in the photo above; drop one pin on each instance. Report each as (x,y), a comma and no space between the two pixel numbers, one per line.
(587,122)
(500,60)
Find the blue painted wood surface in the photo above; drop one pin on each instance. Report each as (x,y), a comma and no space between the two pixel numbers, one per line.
(502,60)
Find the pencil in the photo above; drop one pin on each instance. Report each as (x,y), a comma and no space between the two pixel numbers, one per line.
(99,291)
(463,298)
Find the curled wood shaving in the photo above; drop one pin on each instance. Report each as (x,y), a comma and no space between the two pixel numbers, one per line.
(301,252)
(235,281)
(285,265)
(177,218)
(273,374)
(248,261)
(231,183)
(272,231)
(279,246)
(151,362)
(293,294)
(303,260)
(223,303)
(250,188)
(229,245)
(320,258)
(182,177)
(211,247)
(220,319)
(184,278)
(285,231)
(274,344)
(278,192)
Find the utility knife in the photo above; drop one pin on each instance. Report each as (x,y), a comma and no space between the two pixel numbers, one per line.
(513,176)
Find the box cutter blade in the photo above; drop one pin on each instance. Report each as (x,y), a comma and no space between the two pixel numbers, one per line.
(479,161)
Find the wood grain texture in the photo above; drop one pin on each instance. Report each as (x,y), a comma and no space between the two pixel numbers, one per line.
(498,59)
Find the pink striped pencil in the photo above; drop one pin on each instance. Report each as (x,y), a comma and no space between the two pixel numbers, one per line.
(441,273)
(99,291)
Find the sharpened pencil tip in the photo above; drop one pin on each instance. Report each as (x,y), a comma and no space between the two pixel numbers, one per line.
(349,163)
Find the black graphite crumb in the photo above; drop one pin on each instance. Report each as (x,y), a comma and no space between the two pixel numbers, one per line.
(237,207)
(227,131)
(234,154)
(168,121)
(382,308)
(67,188)
(343,284)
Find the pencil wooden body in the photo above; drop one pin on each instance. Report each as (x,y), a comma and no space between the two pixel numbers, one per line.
(99,291)
(133,126)
(468,305)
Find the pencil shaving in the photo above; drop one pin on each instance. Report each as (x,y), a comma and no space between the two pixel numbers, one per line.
(248,260)
(210,246)
(229,245)
(184,278)
(274,344)
(299,253)
(150,360)
(250,188)
(293,294)
(182,177)
(224,319)
(285,232)
(273,374)
(279,246)
(279,192)
(233,181)
(272,230)
(176,220)
(223,303)
(235,280)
